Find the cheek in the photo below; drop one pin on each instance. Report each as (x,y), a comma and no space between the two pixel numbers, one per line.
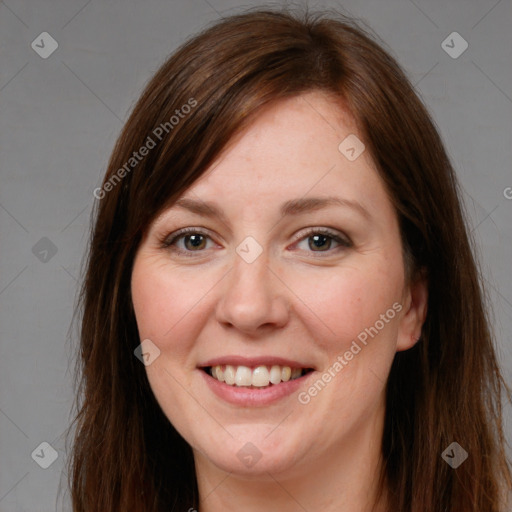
(357,311)
(168,304)
(343,303)
(168,310)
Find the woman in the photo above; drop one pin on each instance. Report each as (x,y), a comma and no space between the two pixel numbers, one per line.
(281,309)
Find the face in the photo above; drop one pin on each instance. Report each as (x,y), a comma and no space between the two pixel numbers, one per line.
(288,286)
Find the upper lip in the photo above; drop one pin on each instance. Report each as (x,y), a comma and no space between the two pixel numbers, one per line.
(253,362)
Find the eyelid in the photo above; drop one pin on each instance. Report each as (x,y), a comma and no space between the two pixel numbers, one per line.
(343,241)
(333,233)
(169,239)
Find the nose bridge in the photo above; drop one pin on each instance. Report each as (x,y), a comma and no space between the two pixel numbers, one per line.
(252,273)
(252,296)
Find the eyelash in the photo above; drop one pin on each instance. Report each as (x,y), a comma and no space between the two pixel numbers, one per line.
(170,240)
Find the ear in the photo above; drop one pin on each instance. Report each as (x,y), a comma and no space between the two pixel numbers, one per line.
(415,304)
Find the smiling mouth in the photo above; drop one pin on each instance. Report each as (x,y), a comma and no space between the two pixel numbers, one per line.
(257,377)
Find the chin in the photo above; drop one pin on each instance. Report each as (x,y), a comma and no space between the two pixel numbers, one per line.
(254,453)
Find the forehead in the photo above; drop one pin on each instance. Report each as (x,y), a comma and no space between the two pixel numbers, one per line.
(290,150)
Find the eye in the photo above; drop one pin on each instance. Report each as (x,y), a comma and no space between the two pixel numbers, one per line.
(187,240)
(322,240)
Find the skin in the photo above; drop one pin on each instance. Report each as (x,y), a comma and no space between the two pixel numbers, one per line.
(292,301)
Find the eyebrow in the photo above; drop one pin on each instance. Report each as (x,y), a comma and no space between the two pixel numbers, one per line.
(291,207)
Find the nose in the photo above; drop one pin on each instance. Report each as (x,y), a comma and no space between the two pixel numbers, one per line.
(253,298)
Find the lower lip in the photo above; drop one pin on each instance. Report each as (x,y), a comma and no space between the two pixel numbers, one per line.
(254,397)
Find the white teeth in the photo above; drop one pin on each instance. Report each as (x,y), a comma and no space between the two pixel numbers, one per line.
(275,374)
(259,377)
(286,373)
(219,374)
(243,376)
(229,375)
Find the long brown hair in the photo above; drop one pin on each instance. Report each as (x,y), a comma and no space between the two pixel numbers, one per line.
(126,454)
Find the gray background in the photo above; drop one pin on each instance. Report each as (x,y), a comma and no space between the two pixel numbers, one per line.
(60,117)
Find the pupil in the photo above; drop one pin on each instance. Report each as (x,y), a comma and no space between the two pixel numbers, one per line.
(319,242)
(195,240)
